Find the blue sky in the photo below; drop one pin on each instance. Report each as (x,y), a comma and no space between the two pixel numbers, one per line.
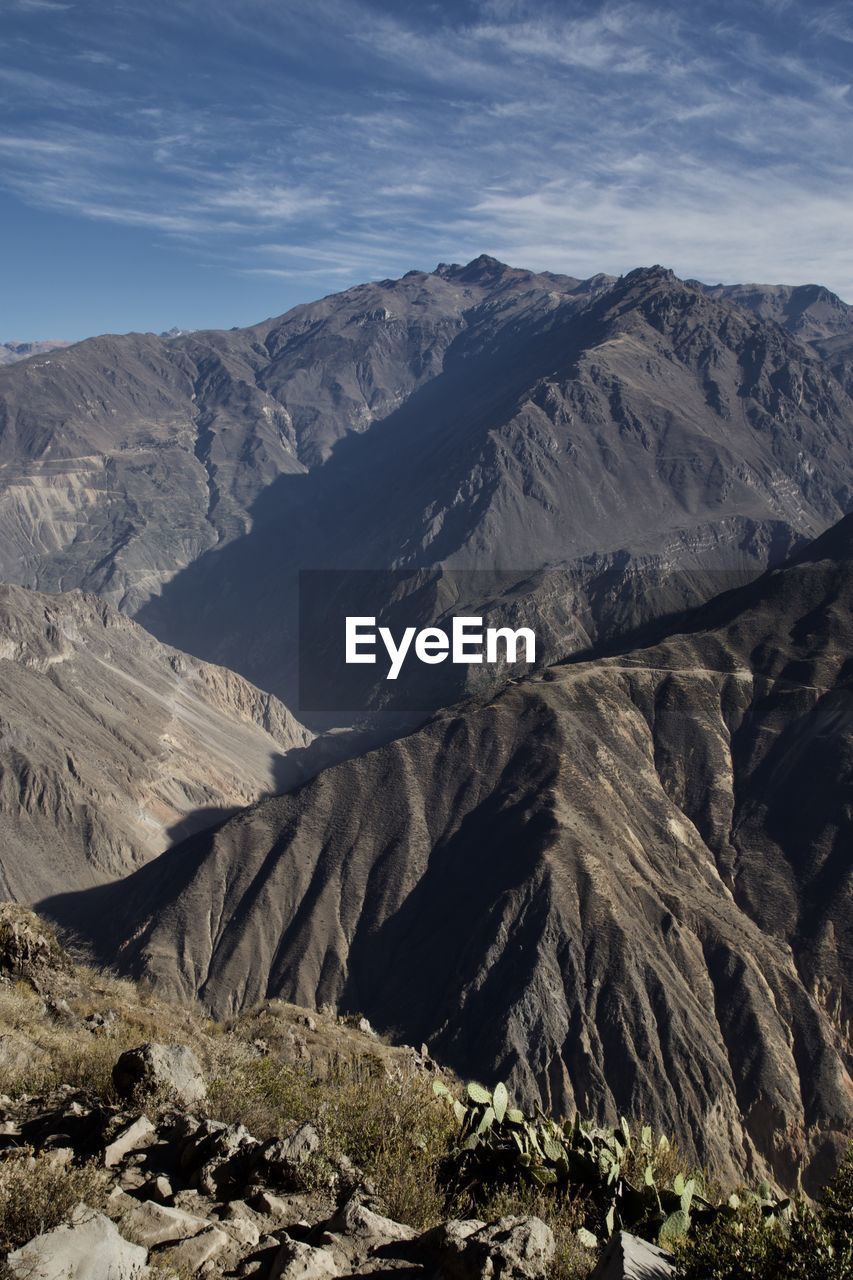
(212,162)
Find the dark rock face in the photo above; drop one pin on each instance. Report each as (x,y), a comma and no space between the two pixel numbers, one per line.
(624,885)
(478,417)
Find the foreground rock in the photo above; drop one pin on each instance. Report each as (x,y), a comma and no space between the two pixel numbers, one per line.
(296,1260)
(509,1249)
(88,1248)
(172,1070)
(135,1135)
(151,1224)
(628,1257)
(191,1196)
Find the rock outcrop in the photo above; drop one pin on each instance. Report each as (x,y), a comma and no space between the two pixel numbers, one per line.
(629,1258)
(192,1196)
(90,1247)
(160,1069)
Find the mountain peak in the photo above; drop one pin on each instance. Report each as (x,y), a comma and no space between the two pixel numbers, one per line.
(642,275)
(479,269)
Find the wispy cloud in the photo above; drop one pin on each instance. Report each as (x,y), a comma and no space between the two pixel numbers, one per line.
(266,201)
(32,88)
(38,6)
(26,146)
(320,140)
(835,22)
(606,41)
(99,59)
(767,228)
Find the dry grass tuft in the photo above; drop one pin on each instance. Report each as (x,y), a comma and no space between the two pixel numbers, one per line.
(392,1128)
(38,1192)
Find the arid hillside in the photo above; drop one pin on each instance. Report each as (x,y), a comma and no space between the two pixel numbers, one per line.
(621,885)
(113,746)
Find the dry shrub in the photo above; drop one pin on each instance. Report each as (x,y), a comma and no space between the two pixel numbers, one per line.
(38,1192)
(29,946)
(396,1131)
(666,1162)
(392,1128)
(267,1096)
(66,1055)
(59,1048)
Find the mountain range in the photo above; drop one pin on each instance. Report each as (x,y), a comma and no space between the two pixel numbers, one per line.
(473,418)
(12,351)
(624,885)
(616,878)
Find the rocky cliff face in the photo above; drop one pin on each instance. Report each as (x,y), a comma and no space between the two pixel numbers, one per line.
(623,884)
(128,457)
(112,745)
(476,417)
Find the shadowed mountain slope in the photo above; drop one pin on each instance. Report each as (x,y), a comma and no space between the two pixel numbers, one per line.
(624,884)
(112,745)
(124,458)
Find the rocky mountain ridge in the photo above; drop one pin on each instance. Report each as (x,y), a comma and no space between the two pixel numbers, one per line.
(814,314)
(13,351)
(634,457)
(478,417)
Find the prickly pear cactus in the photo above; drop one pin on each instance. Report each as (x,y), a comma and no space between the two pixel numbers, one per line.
(499,1145)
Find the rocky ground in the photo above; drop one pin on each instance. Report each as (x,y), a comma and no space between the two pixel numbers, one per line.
(189,1195)
(139,1140)
(114,1160)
